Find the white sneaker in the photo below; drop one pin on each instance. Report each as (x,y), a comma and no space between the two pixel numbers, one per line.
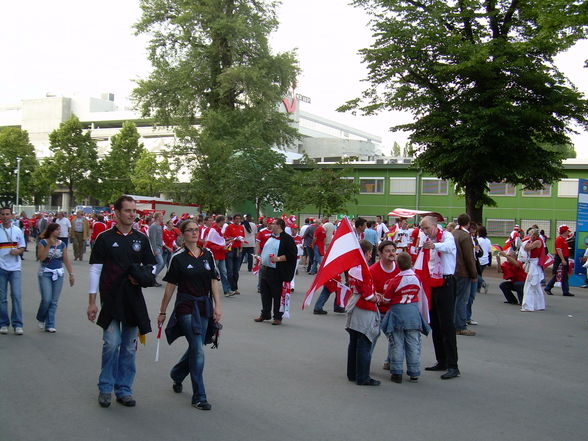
(472,322)
(18,331)
(4,330)
(51,330)
(41,325)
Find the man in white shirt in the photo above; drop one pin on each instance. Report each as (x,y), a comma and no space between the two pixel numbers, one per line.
(381,229)
(64,226)
(12,246)
(330,230)
(442,246)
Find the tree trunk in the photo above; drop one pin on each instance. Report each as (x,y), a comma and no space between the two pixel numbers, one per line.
(473,195)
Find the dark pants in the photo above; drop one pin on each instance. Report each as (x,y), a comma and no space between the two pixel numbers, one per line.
(310,254)
(442,310)
(65,240)
(271,292)
(359,357)
(565,287)
(508,287)
(233,262)
(248,252)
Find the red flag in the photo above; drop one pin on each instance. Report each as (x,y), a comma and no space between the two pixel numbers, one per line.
(343,254)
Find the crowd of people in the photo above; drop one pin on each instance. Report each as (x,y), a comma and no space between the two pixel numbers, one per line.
(424,278)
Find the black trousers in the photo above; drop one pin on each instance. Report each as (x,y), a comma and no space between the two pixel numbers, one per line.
(442,311)
(271,292)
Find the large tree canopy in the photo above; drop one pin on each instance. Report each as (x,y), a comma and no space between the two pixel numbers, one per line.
(14,143)
(215,79)
(489,104)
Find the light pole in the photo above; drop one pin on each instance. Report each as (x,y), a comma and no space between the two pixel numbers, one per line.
(17,182)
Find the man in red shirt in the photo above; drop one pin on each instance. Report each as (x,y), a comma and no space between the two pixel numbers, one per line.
(561,258)
(515,276)
(382,271)
(97,227)
(234,235)
(318,246)
(169,237)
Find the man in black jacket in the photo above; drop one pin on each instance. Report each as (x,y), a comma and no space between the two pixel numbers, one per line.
(278,265)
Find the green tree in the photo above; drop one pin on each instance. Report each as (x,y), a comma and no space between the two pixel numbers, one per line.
(43,181)
(325,188)
(118,165)
(151,177)
(261,176)
(480,80)
(214,78)
(75,159)
(396,149)
(14,143)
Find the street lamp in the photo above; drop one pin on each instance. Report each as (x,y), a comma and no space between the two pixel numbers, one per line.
(17,181)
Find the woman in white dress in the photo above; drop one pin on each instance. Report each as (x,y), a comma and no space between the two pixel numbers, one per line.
(533,296)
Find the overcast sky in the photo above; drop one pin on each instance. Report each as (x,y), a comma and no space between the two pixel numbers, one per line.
(79,46)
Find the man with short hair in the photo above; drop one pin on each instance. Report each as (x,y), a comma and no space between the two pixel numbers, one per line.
(12,246)
(318,246)
(562,255)
(371,236)
(439,247)
(115,253)
(514,276)
(360,226)
(278,265)
(216,243)
(465,273)
(64,226)
(79,232)
(235,235)
(156,241)
(330,230)
(249,243)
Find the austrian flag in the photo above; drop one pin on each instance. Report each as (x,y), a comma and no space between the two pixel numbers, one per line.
(343,254)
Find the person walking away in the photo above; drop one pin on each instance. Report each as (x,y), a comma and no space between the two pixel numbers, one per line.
(79,233)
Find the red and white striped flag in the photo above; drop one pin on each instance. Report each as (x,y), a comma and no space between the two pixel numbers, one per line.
(214,241)
(343,254)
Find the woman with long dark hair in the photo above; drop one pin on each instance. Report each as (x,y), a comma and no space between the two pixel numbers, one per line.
(52,254)
(193,272)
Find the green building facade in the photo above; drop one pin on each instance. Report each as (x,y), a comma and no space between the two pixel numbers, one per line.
(384,187)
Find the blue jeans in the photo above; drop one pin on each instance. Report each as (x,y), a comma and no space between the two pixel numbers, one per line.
(160,262)
(405,341)
(12,277)
(359,357)
(233,262)
(222,269)
(166,257)
(316,261)
(323,297)
(565,286)
(192,362)
(118,359)
(50,291)
(462,296)
(472,297)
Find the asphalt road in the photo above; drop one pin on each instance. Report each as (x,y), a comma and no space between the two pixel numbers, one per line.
(524,377)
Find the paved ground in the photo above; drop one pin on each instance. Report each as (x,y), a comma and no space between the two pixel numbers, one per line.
(523,378)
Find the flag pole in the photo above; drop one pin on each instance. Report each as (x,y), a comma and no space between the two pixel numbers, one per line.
(158,340)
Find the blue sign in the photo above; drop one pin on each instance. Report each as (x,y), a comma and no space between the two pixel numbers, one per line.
(579,276)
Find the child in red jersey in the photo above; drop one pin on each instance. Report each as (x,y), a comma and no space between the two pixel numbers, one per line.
(403,322)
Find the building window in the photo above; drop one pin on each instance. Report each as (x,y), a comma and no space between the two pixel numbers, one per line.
(544,225)
(371,185)
(501,189)
(499,227)
(567,188)
(544,192)
(402,185)
(434,186)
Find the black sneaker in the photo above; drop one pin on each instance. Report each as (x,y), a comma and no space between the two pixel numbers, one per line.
(319,312)
(568,295)
(396,378)
(104,399)
(126,400)
(202,405)
(340,310)
(177,387)
(414,379)
(548,292)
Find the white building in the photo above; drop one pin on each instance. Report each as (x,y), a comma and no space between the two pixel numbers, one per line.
(321,138)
